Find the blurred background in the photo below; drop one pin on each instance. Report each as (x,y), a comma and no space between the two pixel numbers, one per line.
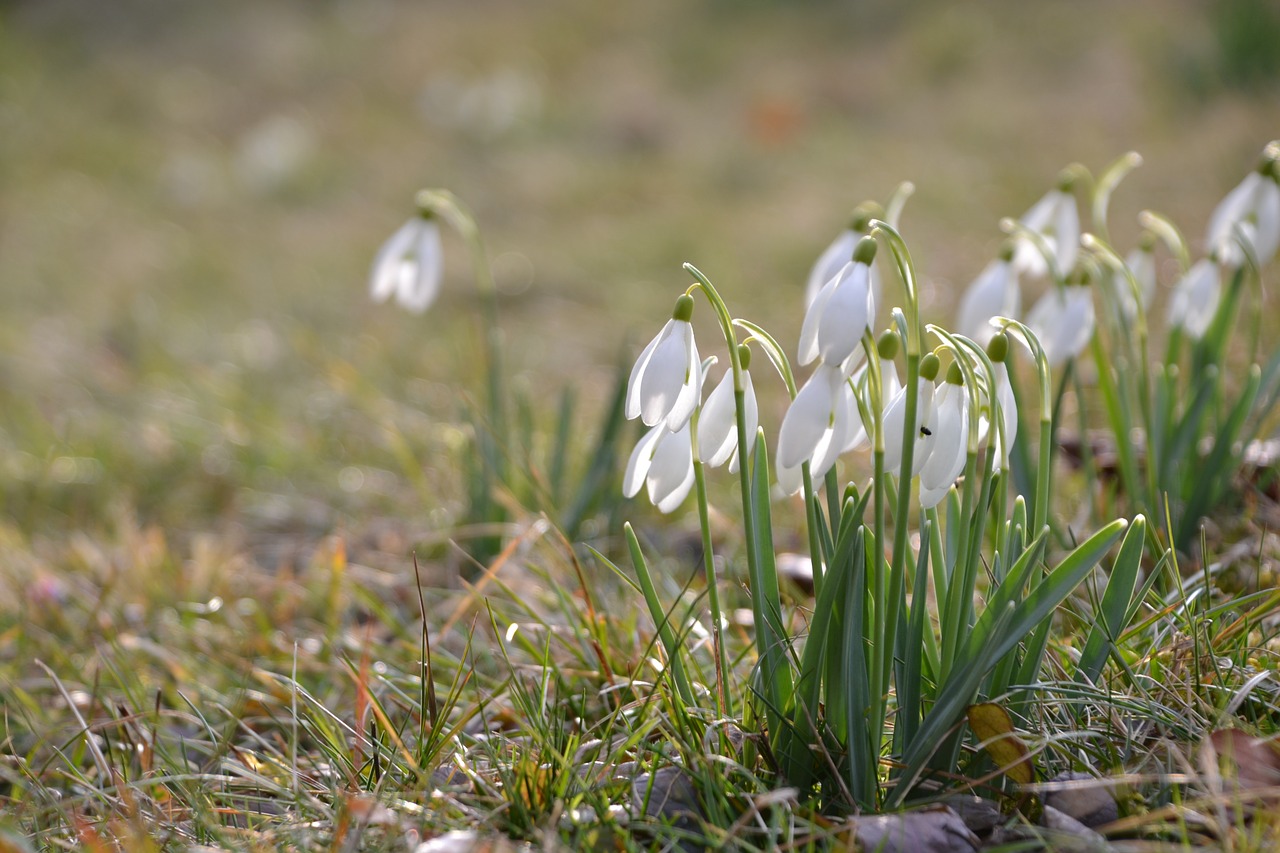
(191,194)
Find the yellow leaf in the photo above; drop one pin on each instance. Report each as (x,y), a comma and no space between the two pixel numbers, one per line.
(994,730)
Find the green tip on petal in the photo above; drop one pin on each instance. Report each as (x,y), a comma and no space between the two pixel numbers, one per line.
(998,347)
(929,367)
(860,221)
(684,308)
(1008,249)
(865,252)
(744,356)
(888,345)
(954,374)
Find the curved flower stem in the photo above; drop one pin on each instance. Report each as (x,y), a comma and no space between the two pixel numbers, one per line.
(1040,509)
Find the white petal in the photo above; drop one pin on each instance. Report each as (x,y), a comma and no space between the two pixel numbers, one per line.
(992,294)
(1063,321)
(639,462)
(417,293)
(790,480)
(717,424)
(1142,266)
(844,425)
(386,264)
(829,263)
(1195,299)
(895,418)
(949,426)
(671,474)
(845,314)
(808,349)
(660,376)
(1234,207)
(1067,232)
(1009,414)
(752,412)
(807,420)
(1268,216)
(690,393)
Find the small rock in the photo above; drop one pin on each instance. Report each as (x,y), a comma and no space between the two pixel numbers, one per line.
(1086,800)
(937,829)
(669,796)
(979,814)
(1069,834)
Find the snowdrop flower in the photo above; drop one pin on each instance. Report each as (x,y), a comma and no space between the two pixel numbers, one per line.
(945,438)
(895,418)
(818,423)
(890,385)
(1063,321)
(666,381)
(841,311)
(1195,299)
(717,422)
(994,293)
(998,402)
(1056,219)
(836,255)
(1253,206)
(662,460)
(1141,263)
(409,265)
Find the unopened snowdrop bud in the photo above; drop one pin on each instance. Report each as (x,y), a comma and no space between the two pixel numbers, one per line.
(944,438)
(895,417)
(409,265)
(1005,405)
(1142,266)
(667,378)
(836,255)
(994,293)
(1056,219)
(888,344)
(1253,208)
(717,422)
(663,460)
(1195,299)
(1063,321)
(842,311)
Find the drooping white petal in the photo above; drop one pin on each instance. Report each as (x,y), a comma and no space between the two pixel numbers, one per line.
(691,391)
(1254,206)
(790,480)
(808,349)
(665,382)
(640,461)
(387,262)
(895,417)
(1142,266)
(809,418)
(1008,405)
(1195,299)
(717,422)
(846,314)
(945,443)
(1063,321)
(829,263)
(1055,218)
(671,473)
(419,291)
(845,422)
(633,407)
(994,293)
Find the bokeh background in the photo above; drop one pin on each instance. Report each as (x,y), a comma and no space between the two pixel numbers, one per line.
(191,193)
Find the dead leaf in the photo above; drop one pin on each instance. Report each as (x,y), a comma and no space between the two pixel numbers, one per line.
(994,730)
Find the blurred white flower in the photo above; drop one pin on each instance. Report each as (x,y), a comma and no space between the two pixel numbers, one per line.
(1008,406)
(717,422)
(1141,263)
(994,293)
(829,263)
(1254,207)
(662,460)
(1195,299)
(1056,219)
(838,316)
(666,381)
(409,265)
(944,440)
(1063,321)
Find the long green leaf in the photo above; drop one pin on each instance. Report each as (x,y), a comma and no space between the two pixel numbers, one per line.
(1109,620)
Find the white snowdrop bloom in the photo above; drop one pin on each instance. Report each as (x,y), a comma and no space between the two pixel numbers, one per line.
(1253,207)
(662,460)
(842,310)
(829,263)
(1195,299)
(1056,219)
(1063,321)
(1008,406)
(994,293)
(817,419)
(718,424)
(409,265)
(845,423)
(944,439)
(790,480)
(890,385)
(1141,263)
(895,417)
(666,381)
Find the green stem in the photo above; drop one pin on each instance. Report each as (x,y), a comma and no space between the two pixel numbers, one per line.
(723,703)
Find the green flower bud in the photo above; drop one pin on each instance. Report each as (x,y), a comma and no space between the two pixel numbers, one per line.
(954,374)
(929,367)
(888,345)
(865,252)
(1008,249)
(744,356)
(998,347)
(684,308)
(860,221)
